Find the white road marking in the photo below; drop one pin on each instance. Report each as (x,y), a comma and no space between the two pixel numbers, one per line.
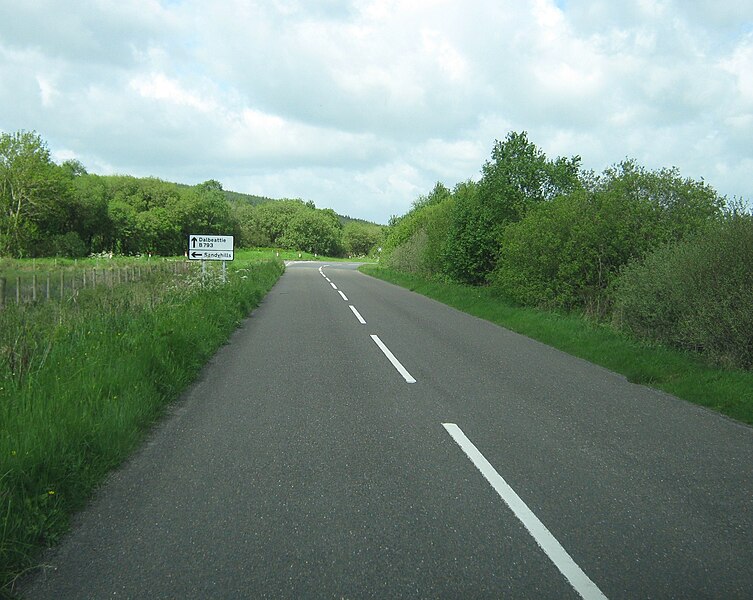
(395,363)
(548,543)
(334,287)
(358,315)
(343,295)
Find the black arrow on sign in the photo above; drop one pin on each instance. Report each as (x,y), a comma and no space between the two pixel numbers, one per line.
(195,254)
(194,242)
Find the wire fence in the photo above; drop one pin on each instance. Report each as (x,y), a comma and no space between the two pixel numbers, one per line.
(64,284)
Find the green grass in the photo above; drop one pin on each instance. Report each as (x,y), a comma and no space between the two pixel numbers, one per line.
(684,375)
(247,253)
(10,267)
(24,265)
(82,381)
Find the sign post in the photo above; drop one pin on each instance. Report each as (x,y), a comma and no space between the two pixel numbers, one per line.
(211,247)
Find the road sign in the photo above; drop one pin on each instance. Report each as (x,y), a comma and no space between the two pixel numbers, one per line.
(210,247)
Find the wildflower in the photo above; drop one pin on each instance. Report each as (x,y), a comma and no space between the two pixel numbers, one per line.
(51,492)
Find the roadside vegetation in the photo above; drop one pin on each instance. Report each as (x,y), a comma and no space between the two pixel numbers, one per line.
(652,260)
(684,374)
(82,379)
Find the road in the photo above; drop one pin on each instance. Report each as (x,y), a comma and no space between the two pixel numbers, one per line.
(356,440)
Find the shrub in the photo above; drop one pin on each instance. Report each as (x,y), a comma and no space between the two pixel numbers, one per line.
(541,260)
(408,257)
(695,294)
(566,252)
(423,230)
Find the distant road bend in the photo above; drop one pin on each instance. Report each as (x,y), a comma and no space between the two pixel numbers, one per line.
(356,440)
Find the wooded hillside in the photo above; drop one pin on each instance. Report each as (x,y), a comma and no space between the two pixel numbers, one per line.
(48,209)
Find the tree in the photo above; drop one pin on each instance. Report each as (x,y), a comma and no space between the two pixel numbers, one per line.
(202,209)
(123,219)
(312,231)
(210,185)
(32,192)
(274,217)
(567,253)
(90,217)
(74,167)
(359,238)
(518,177)
(157,233)
(248,226)
(680,205)
(439,194)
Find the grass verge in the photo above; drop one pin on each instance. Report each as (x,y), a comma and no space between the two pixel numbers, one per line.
(82,381)
(680,374)
(269,253)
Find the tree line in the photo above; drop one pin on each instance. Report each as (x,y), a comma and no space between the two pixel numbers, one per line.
(654,253)
(49,209)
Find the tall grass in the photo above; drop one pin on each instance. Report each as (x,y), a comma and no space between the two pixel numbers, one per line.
(81,381)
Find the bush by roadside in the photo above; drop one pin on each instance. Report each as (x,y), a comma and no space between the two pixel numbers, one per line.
(696,294)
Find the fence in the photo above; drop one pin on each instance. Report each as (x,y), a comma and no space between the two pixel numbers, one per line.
(62,284)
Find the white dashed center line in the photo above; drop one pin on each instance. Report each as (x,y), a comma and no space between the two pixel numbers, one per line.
(358,315)
(548,543)
(395,363)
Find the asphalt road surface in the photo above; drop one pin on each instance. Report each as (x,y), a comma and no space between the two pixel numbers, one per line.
(356,440)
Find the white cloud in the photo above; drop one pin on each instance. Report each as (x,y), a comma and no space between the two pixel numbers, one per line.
(363,105)
(47,90)
(159,87)
(740,65)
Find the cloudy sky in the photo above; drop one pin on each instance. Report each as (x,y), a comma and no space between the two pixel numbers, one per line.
(362,105)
